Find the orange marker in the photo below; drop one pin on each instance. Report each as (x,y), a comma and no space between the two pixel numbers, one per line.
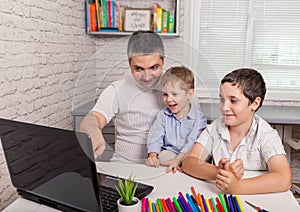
(195,195)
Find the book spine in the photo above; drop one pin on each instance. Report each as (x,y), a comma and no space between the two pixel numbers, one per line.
(158,19)
(171,23)
(165,16)
(87,8)
(98,14)
(155,5)
(93,17)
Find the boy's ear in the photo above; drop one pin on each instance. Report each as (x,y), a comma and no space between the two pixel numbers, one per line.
(255,104)
(190,93)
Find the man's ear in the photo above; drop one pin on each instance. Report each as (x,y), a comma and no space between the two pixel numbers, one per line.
(255,104)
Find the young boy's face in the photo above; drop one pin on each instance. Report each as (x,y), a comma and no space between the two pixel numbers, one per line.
(235,107)
(146,69)
(177,99)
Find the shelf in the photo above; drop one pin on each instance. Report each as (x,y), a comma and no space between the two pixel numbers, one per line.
(167,5)
(129,33)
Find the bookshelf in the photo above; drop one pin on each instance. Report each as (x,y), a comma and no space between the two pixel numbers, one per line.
(138,8)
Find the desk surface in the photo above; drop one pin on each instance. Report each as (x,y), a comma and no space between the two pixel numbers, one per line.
(272,114)
(168,185)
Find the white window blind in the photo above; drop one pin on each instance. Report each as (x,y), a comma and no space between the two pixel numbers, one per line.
(263,34)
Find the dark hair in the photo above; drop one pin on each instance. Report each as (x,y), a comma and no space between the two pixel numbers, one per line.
(250,81)
(179,73)
(144,43)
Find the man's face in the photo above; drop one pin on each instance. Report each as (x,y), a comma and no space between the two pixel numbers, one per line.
(146,69)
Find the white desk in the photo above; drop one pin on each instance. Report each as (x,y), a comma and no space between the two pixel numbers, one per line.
(168,185)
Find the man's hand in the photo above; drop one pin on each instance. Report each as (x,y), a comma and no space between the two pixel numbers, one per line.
(97,141)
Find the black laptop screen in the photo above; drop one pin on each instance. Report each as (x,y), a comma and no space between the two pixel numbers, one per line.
(51,163)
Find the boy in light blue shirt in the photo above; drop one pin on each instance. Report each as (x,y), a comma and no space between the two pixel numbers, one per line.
(178,125)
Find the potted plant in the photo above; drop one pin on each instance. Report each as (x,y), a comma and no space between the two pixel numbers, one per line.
(126,190)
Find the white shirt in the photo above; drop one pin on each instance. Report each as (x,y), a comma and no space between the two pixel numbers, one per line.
(134,109)
(261,143)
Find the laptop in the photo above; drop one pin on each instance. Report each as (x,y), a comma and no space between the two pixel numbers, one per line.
(55,167)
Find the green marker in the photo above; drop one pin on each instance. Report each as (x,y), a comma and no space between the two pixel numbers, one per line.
(223,201)
(177,204)
(159,204)
(214,204)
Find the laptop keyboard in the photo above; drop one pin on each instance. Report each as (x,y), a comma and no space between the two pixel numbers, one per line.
(109,199)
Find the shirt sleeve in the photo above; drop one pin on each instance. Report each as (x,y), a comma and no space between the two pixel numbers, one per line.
(205,138)
(106,103)
(200,125)
(156,134)
(271,145)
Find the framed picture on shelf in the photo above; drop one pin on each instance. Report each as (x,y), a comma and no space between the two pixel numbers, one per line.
(137,19)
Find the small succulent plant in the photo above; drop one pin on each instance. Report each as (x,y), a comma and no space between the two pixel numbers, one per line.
(126,189)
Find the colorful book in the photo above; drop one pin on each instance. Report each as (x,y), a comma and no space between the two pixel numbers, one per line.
(171,24)
(155,6)
(159,11)
(164,23)
(93,17)
(98,14)
(87,9)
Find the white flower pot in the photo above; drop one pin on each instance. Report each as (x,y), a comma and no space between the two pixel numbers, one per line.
(129,208)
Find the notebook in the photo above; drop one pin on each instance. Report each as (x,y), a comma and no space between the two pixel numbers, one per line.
(56,167)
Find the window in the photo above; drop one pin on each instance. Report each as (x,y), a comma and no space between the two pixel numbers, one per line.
(263,34)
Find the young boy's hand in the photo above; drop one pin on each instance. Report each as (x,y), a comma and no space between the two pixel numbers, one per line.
(173,165)
(237,167)
(152,160)
(226,181)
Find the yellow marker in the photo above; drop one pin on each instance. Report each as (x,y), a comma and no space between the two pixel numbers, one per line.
(239,202)
(208,205)
(150,205)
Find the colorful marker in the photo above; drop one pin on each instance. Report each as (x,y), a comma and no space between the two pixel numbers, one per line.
(240,203)
(159,205)
(177,205)
(214,204)
(223,202)
(144,205)
(204,203)
(181,203)
(185,202)
(230,204)
(150,205)
(153,207)
(236,204)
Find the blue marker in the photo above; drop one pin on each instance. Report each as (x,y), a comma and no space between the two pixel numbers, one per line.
(237,204)
(183,206)
(153,207)
(230,204)
(190,202)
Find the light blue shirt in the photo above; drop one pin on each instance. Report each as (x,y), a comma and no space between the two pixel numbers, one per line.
(168,133)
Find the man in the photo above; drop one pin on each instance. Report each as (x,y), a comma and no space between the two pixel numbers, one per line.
(133,101)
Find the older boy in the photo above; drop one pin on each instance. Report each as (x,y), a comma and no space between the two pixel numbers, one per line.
(240,140)
(178,125)
(133,101)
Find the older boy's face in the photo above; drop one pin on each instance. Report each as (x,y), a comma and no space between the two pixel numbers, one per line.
(235,106)
(146,69)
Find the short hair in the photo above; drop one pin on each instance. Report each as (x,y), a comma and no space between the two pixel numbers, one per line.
(145,43)
(179,74)
(250,81)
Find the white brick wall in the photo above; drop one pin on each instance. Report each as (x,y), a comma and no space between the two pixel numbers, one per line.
(43,47)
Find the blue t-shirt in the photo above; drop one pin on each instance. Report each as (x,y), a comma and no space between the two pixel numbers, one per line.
(168,133)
